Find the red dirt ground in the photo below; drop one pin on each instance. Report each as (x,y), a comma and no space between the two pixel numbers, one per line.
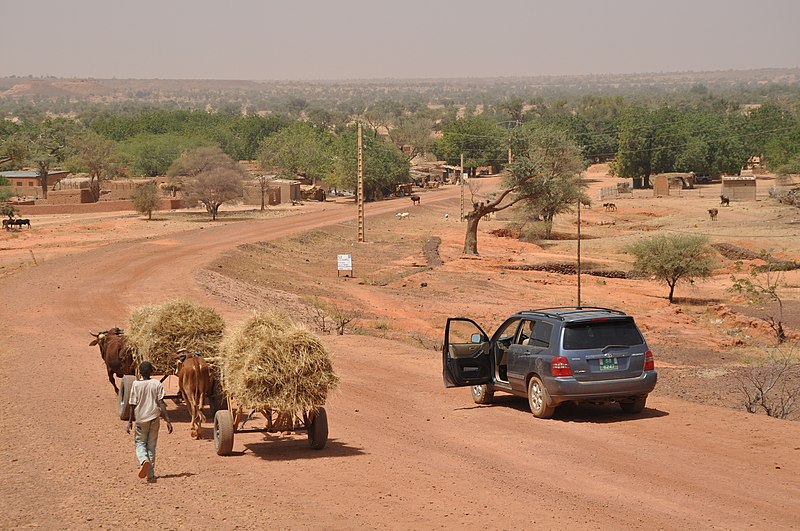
(403,451)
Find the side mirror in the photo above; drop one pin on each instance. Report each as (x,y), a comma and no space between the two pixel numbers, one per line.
(476,338)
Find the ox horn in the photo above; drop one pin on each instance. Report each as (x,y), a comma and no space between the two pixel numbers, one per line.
(93,334)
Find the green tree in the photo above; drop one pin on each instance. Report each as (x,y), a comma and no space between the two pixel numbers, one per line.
(48,146)
(8,210)
(298,150)
(210,177)
(414,133)
(146,199)
(479,139)
(673,258)
(557,163)
(385,166)
(544,177)
(98,156)
(151,155)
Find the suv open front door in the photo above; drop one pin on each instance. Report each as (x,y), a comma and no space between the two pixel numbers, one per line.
(465,354)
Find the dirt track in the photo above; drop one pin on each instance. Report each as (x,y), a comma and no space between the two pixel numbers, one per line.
(403,453)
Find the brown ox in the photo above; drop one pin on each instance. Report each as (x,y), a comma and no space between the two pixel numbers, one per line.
(415,199)
(116,354)
(194,382)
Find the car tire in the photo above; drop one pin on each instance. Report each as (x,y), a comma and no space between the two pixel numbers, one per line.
(223,432)
(482,394)
(634,406)
(538,400)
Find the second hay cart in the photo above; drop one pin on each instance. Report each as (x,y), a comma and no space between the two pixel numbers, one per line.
(274,367)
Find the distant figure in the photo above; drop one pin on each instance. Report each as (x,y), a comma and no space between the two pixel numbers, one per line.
(724,200)
(610,207)
(415,199)
(713,213)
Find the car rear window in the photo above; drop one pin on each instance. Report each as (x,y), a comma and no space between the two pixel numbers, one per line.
(600,334)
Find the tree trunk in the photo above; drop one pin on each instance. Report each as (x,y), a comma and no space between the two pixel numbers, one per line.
(471,239)
(43,180)
(548,227)
(149,215)
(473,218)
(94,185)
(671,291)
(263,193)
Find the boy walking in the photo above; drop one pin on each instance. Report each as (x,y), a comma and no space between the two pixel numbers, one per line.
(147,400)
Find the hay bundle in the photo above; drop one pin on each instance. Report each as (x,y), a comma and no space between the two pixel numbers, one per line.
(158,331)
(271,362)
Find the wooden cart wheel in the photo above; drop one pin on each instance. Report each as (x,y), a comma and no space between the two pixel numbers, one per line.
(124,409)
(223,432)
(318,429)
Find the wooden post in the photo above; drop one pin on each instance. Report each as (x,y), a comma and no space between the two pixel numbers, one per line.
(462,187)
(360,190)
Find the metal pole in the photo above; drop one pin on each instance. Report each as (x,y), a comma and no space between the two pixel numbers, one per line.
(360,191)
(579,252)
(462,187)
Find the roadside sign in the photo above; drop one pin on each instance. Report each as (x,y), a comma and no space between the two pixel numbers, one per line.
(344,263)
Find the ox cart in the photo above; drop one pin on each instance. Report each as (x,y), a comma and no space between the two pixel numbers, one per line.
(232,419)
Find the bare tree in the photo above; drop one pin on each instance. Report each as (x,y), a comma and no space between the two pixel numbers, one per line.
(762,289)
(146,199)
(211,177)
(773,387)
(263,185)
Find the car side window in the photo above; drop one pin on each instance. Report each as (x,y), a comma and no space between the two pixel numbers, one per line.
(541,334)
(525,333)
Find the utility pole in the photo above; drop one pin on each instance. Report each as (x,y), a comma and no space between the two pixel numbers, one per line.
(360,189)
(462,187)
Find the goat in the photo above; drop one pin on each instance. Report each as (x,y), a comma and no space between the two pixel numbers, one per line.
(402,215)
(724,200)
(610,207)
(713,213)
(415,199)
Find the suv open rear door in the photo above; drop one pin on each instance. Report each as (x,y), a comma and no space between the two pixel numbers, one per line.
(465,354)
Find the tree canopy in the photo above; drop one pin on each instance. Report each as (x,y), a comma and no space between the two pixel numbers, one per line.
(673,258)
(478,138)
(210,177)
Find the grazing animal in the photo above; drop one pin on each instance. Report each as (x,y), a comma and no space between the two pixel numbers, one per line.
(194,382)
(415,199)
(610,207)
(21,222)
(713,213)
(724,200)
(402,215)
(7,223)
(116,354)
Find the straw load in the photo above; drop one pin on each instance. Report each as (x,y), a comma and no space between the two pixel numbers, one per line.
(157,332)
(270,362)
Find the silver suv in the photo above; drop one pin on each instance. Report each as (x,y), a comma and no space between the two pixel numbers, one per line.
(552,356)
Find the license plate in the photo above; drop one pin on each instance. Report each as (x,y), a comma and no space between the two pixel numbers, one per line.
(608,364)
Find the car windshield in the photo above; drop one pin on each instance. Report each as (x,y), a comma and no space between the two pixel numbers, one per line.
(600,334)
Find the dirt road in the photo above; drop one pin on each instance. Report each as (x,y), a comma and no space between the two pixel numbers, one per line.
(403,452)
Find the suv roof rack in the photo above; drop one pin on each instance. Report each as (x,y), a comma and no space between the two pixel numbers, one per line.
(561,312)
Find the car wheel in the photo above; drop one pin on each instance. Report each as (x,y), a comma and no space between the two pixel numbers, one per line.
(482,394)
(538,399)
(634,406)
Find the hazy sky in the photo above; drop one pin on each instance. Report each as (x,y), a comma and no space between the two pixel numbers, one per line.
(345,39)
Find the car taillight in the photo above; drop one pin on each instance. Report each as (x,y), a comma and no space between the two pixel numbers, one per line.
(560,367)
(649,362)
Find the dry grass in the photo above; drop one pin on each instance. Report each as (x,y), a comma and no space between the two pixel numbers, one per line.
(271,362)
(158,331)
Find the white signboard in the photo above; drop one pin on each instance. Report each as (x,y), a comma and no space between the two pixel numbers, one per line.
(345,262)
